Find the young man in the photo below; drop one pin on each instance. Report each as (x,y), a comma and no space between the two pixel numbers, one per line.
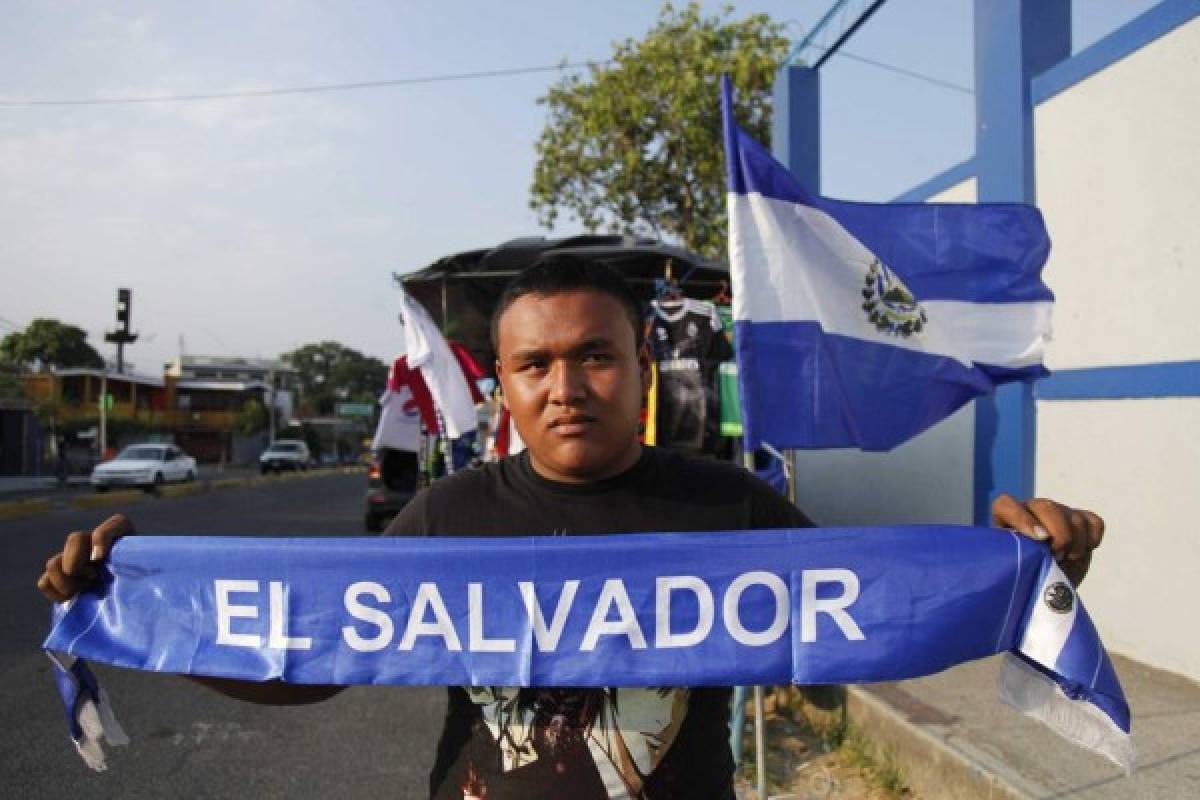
(567,334)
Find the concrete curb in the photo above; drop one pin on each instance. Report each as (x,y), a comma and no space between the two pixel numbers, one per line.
(120,498)
(935,763)
(933,767)
(21,509)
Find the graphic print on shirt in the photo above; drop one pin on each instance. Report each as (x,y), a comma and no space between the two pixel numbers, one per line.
(611,737)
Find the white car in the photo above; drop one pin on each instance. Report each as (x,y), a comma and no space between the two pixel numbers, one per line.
(285,454)
(145,465)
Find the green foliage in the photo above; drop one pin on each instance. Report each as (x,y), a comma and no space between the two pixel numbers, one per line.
(11,389)
(50,343)
(636,145)
(252,418)
(332,373)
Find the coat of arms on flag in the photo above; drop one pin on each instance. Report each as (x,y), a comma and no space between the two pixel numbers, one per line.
(888,303)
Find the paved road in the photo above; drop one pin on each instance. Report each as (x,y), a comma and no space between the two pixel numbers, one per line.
(188,741)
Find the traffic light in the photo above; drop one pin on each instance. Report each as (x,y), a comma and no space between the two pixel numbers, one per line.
(122,335)
(124,309)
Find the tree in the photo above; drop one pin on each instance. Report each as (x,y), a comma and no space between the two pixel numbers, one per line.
(252,418)
(50,343)
(637,143)
(11,389)
(331,373)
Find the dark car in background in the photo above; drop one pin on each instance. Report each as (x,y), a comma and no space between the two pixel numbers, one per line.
(392,480)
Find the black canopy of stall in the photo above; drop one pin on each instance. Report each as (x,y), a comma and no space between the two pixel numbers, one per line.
(460,291)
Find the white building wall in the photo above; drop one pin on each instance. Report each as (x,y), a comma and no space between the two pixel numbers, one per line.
(927,479)
(1135,462)
(1118,179)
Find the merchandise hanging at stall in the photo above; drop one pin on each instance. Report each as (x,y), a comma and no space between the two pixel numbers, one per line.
(686,340)
(450,382)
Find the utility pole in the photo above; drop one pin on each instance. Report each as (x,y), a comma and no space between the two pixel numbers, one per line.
(103,413)
(271,405)
(122,335)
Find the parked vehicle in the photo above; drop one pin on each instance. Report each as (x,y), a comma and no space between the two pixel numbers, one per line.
(391,483)
(145,465)
(284,454)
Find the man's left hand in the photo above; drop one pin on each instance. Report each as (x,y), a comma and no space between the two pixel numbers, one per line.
(1071,533)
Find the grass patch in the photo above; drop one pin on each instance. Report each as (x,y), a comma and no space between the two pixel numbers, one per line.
(874,762)
(821,712)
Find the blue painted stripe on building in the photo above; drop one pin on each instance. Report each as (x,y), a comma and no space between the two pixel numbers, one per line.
(938,183)
(1126,40)
(1167,379)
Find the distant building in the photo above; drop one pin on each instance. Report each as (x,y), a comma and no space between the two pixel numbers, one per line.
(277,374)
(196,403)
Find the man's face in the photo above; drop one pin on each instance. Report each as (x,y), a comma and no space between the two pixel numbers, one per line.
(573,381)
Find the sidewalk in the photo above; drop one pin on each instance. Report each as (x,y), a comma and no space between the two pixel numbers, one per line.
(953,738)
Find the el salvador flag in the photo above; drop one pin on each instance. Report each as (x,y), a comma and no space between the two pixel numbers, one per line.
(861,325)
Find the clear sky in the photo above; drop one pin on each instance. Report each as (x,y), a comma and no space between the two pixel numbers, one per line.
(252,226)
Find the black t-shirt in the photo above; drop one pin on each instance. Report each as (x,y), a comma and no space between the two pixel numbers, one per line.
(688,343)
(503,742)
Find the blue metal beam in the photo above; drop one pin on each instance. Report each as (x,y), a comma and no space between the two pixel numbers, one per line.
(1015,40)
(796,124)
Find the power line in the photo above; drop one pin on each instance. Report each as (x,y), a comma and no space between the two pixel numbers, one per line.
(840,53)
(881,65)
(461,76)
(290,90)
(848,32)
(902,71)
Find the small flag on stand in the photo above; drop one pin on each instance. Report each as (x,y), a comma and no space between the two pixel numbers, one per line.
(861,325)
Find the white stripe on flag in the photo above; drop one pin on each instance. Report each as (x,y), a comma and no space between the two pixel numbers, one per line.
(793,262)
(1047,630)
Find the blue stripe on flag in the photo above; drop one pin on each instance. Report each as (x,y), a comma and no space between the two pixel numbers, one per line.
(800,384)
(1083,656)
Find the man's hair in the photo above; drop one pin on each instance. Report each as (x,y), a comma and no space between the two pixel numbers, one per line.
(555,273)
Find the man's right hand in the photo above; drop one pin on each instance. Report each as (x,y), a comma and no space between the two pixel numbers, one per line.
(74,569)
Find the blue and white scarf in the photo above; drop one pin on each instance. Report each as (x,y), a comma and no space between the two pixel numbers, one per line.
(816,606)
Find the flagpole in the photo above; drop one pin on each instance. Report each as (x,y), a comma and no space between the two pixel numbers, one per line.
(760,748)
(760,744)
